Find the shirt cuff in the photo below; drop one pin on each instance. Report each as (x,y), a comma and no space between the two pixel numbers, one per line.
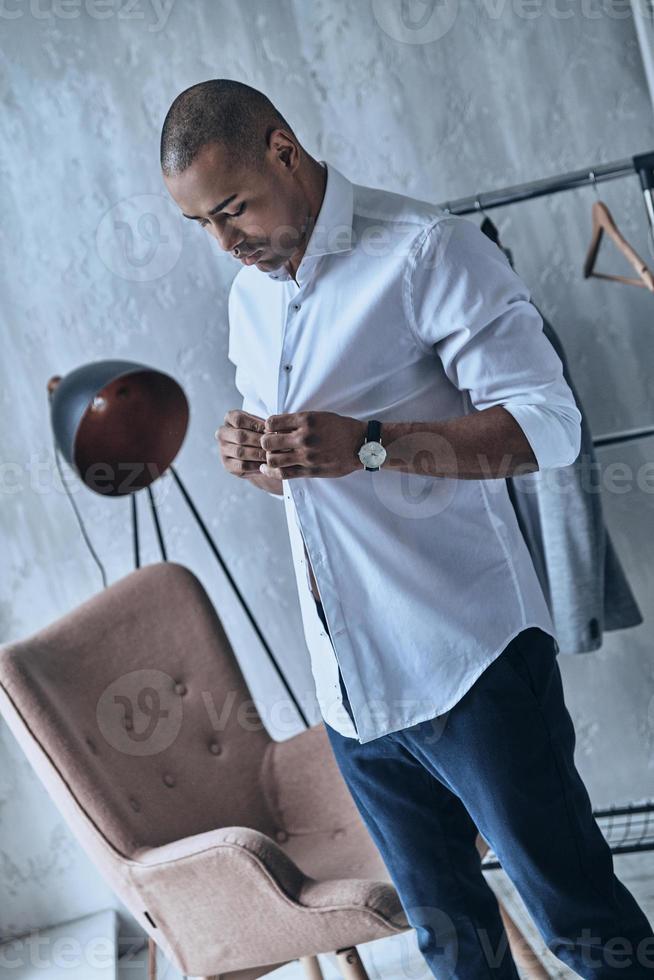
(554,434)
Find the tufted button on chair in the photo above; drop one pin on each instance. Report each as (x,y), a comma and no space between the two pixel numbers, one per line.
(234,852)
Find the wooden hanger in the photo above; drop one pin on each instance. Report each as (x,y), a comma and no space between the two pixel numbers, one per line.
(603,222)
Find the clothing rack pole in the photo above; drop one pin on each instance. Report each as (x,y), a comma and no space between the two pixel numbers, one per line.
(643,165)
(614,438)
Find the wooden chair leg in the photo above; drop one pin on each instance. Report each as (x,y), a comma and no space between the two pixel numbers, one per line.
(525,956)
(311,967)
(152,959)
(350,964)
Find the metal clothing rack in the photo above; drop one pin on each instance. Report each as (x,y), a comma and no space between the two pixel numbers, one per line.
(627,829)
(642,164)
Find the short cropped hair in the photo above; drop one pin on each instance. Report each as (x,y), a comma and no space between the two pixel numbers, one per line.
(220,110)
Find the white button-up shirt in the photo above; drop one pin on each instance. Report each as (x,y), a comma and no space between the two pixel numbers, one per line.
(402,313)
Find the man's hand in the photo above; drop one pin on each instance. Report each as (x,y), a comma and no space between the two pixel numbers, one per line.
(312,444)
(239,440)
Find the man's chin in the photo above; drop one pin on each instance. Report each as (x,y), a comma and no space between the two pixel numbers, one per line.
(270,262)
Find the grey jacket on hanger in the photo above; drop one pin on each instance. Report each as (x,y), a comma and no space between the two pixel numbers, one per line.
(561,518)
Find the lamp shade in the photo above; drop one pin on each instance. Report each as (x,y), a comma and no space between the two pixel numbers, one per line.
(120,424)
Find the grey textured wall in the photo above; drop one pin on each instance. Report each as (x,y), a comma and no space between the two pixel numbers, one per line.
(507,93)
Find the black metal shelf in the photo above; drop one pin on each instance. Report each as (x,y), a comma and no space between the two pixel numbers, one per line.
(628,829)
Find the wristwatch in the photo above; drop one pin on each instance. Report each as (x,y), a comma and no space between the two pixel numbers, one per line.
(372,454)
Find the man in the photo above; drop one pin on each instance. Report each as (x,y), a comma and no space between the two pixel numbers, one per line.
(394,372)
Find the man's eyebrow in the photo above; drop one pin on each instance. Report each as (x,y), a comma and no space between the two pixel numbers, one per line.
(218,207)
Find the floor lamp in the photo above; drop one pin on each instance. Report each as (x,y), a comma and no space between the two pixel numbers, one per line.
(120,425)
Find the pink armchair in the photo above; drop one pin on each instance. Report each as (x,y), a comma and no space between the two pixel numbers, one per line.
(234,852)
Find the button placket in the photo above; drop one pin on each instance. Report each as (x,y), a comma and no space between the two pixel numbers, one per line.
(318,559)
(286,360)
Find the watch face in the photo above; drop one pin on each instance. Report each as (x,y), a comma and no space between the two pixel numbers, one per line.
(372,454)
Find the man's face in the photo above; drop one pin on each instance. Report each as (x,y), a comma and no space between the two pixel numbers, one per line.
(264,209)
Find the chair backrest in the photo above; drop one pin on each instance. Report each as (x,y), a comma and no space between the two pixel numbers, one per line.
(138,701)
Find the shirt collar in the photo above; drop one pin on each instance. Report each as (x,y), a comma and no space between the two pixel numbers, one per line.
(332,231)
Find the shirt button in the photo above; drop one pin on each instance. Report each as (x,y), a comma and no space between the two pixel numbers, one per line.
(281,836)
(296,306)
(287,367)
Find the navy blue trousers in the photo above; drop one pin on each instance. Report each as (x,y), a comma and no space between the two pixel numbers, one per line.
(499,762)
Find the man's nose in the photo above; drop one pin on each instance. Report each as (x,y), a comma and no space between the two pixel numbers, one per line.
(226,238)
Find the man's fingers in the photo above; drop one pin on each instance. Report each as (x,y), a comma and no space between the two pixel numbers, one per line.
(230,434)
(287,473)
(283,458)
(242,467)
(286,422)
(240,442)
(242,450)
(239,419)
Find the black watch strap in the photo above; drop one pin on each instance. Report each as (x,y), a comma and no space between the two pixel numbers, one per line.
(374,431)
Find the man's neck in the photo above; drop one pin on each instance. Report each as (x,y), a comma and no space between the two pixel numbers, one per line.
(316,196)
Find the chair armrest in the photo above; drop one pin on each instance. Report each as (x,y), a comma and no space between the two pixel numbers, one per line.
(231,898)
(303,785)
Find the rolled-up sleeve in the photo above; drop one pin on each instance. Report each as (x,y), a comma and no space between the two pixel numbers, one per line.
(465,303)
